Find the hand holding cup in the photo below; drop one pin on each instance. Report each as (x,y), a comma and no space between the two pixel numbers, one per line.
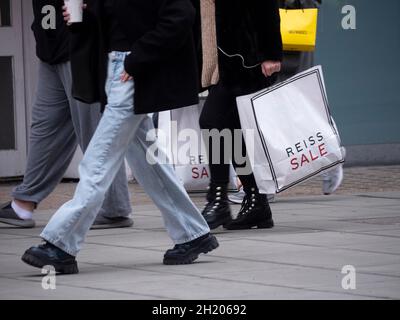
(73,11)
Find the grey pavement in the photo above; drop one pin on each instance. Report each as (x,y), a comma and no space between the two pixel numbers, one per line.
(301,258)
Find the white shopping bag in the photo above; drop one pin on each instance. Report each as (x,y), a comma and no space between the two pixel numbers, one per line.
(295,137)
(180,138)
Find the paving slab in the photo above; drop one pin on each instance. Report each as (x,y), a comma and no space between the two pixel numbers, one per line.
(301,258)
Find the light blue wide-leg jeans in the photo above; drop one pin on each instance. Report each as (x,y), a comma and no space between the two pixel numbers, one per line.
(120,134)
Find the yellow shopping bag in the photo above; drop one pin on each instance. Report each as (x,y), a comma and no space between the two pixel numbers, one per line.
(299,29)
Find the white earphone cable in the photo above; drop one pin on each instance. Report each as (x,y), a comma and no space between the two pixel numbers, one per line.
(240,56)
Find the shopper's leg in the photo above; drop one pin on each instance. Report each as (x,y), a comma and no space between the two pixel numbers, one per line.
(106,152)
(215,117)
(240,158)
(255,210)
(52,138)
(333,178)
(103,158)
(182,218)
(85,119)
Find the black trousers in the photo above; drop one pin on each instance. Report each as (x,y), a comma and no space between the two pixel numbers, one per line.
(220,112)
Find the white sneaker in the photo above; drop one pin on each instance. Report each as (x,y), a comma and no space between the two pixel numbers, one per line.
(271,198)
(332,180)
(237,197)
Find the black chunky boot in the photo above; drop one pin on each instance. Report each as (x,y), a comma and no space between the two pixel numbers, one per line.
(255,212)
(49,255)
(217,211)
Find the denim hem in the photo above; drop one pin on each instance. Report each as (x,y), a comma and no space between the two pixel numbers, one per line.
(58,244)
(170,198)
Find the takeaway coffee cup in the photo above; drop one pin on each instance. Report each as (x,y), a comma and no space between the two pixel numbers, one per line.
(75,9)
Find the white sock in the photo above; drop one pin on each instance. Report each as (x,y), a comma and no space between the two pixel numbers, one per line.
(22,213)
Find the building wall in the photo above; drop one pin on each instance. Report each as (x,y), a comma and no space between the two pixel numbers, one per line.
(361,70)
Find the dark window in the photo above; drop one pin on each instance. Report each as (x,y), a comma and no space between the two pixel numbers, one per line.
(5,13)
(7,126)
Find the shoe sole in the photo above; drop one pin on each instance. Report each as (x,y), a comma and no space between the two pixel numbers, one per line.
(62,269)
(117,225)
(215,225)
(207,246)
(27,224)
(263,225)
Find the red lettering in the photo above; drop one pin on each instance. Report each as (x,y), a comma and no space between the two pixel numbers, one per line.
(195,173)
(204,173)
(309,157)
(304,160)
(322,150)
(294,164)
(312,157)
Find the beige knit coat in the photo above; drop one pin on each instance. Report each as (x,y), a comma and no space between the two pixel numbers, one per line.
(210,72)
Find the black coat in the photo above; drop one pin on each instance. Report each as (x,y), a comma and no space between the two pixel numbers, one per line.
(52,44)
(162,62)
(250,28)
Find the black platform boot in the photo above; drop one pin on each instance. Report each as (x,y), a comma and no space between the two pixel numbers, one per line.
(217,211)
(255,212)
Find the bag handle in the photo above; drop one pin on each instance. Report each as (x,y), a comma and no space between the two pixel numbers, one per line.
(299,5)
